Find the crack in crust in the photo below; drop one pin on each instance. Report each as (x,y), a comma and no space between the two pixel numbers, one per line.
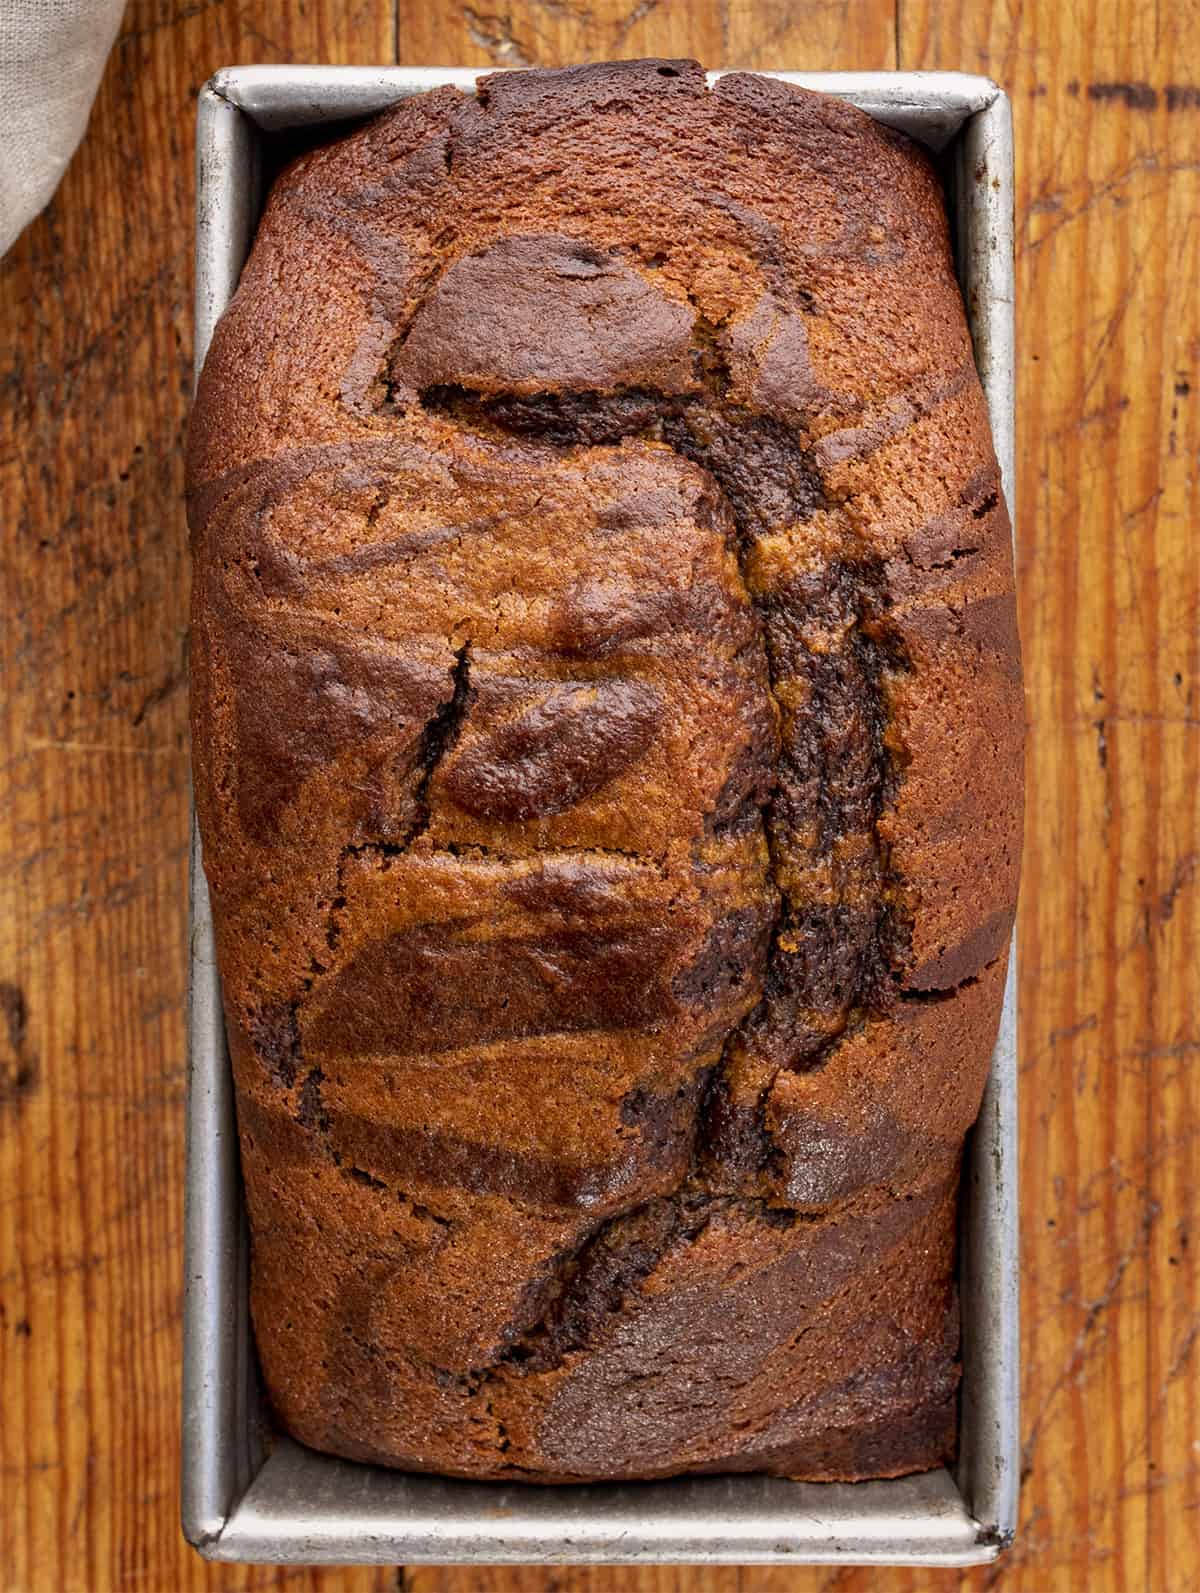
(437,739)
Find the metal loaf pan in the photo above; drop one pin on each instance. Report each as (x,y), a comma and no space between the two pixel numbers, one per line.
(247,1497)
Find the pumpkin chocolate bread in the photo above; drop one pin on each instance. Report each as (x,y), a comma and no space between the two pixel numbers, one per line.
(607,723)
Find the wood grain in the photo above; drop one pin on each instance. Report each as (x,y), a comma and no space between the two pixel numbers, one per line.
(821,34)
(94,374)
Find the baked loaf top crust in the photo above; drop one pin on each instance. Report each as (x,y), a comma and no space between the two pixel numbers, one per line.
(607,724)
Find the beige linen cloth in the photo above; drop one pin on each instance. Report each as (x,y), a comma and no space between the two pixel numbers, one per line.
(52,53)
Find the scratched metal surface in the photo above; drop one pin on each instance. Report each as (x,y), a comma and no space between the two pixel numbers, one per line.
(95,360)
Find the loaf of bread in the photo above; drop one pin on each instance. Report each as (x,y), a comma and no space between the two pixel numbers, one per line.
(607,725)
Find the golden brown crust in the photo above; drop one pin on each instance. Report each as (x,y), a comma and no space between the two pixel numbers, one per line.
(607,724)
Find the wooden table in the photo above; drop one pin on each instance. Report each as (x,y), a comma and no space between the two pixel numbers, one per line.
(95,375)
